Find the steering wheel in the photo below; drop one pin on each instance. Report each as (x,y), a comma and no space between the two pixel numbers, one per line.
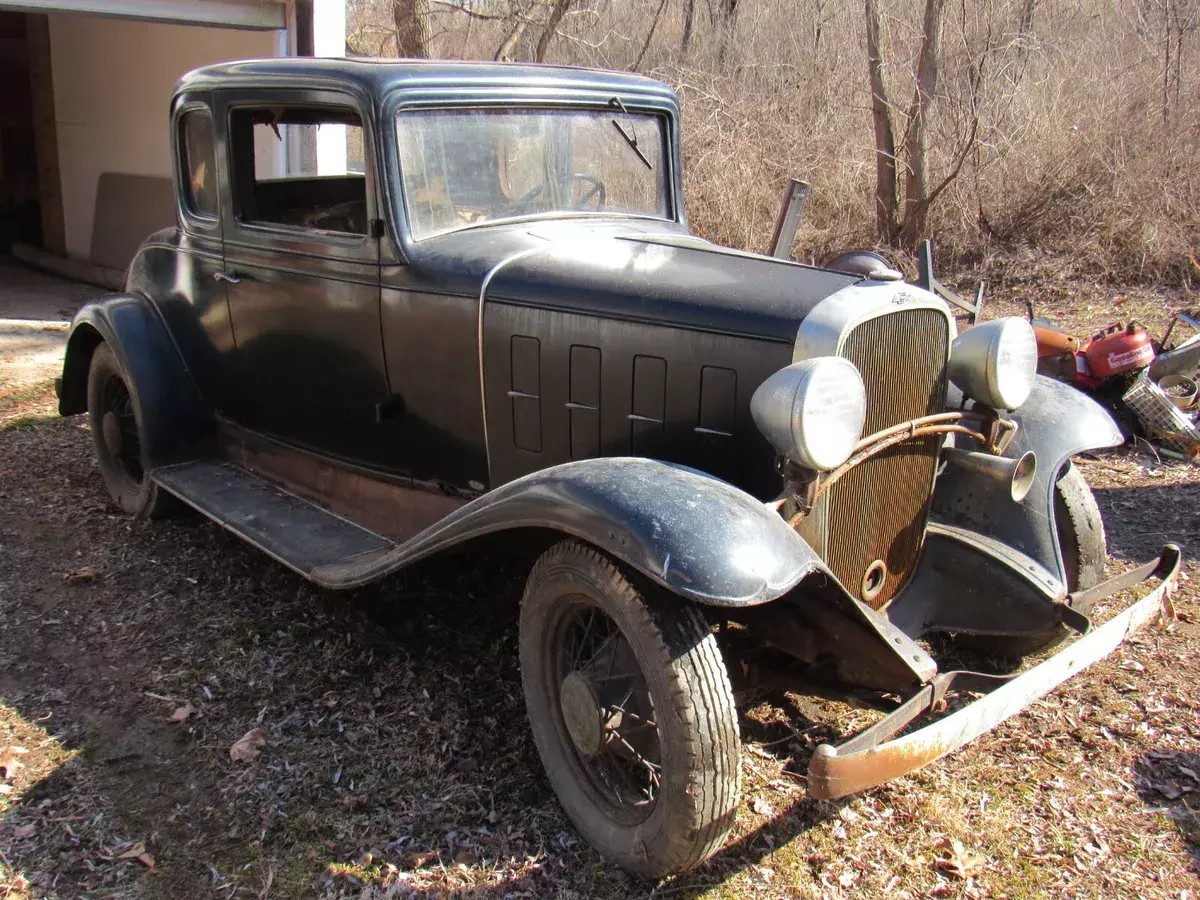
(595,189)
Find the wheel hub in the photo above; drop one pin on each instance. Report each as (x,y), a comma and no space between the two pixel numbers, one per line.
(582,713)
(110,427)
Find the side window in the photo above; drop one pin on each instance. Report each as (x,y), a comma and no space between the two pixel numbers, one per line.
(301,167)
(199,163)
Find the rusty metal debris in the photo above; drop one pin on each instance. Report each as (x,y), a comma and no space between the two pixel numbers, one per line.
(871,758)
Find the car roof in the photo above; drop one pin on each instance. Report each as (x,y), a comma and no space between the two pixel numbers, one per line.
(381,76)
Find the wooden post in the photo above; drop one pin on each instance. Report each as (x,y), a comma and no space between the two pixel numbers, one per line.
(45,134)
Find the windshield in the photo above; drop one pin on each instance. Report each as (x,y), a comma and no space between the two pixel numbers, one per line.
(469,166)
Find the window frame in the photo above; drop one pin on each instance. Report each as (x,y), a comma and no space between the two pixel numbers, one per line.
(254,233)
(430,99)
(468,107)
(193,219)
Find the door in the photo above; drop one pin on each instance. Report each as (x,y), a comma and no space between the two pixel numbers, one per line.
(302,270)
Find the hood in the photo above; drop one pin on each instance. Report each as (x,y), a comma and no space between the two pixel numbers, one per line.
(665,277)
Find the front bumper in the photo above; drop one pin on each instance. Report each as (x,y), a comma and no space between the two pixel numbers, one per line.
(870,758)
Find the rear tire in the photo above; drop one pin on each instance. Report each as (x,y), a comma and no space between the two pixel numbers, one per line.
(117,431)
(652,779)
(1080,530)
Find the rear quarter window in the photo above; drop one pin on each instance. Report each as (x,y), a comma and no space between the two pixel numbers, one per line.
(198,163)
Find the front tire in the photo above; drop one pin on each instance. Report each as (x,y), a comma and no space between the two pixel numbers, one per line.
(118,433)
(631,712)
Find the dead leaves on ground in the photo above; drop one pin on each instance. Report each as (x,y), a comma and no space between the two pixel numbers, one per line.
(81,576)
(10,761)
(181,715)
(138,852)
(957,861)
(248,746)
(762,807)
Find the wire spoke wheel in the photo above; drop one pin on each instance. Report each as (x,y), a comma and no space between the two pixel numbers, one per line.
(631,712)
(113,415)
(119,428)
(607,708)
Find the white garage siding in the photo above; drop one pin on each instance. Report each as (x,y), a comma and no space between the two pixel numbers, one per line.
(113,80)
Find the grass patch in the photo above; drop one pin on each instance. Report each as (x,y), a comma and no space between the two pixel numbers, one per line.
(24,394)
(24,421)
(27,404)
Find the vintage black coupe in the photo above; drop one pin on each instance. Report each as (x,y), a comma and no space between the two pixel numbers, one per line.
(407,305)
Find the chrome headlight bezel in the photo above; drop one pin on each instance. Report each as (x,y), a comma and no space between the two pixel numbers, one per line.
(812,412)
(995,362)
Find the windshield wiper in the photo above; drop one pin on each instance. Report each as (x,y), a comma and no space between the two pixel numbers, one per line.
(630,136)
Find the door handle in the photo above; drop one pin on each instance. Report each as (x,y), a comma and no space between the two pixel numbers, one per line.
(227,277)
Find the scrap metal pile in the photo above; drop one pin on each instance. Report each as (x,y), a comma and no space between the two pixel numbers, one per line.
(1149,385)
(1153,379)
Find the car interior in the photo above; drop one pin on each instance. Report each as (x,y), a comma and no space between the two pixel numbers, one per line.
(278,170)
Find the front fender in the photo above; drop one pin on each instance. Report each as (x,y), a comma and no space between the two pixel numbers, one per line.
(170,413)
(1056,422)
(695,535)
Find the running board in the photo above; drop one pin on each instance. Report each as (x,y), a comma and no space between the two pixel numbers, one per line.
(304,537)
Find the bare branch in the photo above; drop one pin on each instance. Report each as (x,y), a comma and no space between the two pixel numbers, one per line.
(649,37)
(549,29)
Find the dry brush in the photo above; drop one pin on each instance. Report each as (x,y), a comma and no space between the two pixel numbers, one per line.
(1058,127)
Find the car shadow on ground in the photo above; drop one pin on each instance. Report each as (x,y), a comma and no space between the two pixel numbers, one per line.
(1168,781)
(394,740)
(394,750)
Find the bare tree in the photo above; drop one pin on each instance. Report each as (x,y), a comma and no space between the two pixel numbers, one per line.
(1025,28)
(726,23)
(885,141)
(520,23)
(911,227)
(637,63)
(412,28)
(550,28)
(916,136)
(689,19)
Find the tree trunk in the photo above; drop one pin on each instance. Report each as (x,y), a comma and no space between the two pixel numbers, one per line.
(504,53)
(411,18)
(637,64)
(550,29)
(916,206)
(689,17)
(1167,62)
(885,142)
(1025,36)
(726,23)
(1025,30)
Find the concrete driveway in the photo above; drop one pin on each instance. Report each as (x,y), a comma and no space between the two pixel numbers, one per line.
(35,311)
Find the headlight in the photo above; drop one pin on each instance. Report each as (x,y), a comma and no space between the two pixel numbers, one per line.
(995,363)
(812,412)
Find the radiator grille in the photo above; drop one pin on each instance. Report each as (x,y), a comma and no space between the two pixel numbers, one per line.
(877,511)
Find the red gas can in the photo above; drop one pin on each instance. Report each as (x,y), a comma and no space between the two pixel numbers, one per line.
(1118,348)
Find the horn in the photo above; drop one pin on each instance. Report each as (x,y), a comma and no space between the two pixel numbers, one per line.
(1016,473)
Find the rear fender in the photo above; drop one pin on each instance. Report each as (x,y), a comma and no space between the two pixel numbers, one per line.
(1056,422)
(697,536)
(173,418)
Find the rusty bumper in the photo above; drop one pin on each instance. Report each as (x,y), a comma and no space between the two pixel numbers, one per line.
(871,758)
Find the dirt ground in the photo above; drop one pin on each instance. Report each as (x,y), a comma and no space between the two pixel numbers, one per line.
(393,758)
(35,311)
